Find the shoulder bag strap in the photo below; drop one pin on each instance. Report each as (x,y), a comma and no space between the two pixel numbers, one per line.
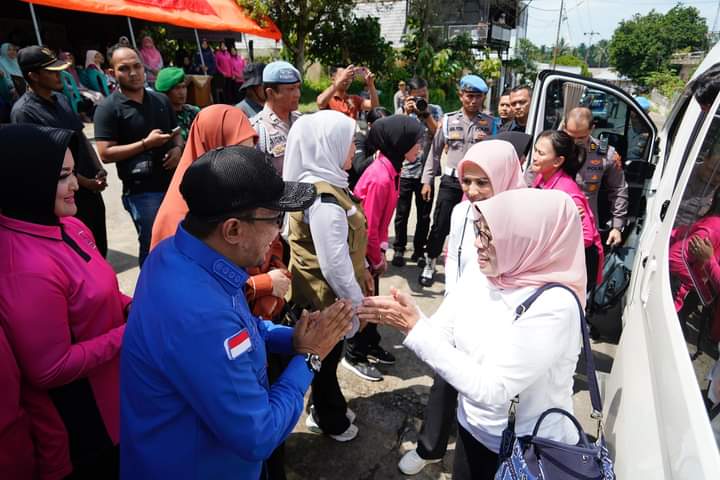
(593,387)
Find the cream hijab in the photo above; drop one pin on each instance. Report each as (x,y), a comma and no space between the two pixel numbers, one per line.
(538,239)
(317,147)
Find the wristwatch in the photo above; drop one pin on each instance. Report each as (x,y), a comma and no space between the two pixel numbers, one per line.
(312,360)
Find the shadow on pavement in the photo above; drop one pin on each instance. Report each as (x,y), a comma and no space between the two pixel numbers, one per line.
(120,261)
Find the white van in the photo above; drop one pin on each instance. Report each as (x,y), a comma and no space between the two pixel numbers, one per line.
(657,423)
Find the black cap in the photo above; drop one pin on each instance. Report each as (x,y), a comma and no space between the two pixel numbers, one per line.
(252,75)
(232,179)
(35,58)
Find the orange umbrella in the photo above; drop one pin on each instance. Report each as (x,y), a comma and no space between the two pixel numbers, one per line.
(222,15)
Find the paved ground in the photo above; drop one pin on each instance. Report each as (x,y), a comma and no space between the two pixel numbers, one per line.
(389,413)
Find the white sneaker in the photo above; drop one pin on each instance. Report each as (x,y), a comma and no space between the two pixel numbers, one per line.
(346,436)
(411,463)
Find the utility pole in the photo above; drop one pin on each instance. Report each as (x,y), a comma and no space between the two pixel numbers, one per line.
(590,34)
(557,36)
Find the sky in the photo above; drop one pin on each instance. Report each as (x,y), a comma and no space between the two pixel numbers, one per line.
(601,16)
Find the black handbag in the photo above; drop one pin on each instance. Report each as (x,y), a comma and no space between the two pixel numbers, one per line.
(533,457)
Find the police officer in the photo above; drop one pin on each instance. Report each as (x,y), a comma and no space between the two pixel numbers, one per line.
(602,166)
(195,398)
(458,131)
(281,83)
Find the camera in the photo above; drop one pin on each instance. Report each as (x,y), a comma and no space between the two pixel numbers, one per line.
(421,105)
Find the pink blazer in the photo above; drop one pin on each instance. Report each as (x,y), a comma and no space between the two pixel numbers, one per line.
(591,236)
(379,195)
(63,315)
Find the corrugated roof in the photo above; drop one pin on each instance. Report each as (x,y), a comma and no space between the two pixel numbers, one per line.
(391,16)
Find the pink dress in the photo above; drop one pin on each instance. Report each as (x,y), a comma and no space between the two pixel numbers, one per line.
(378,191)
(63,314)
(238,67)
(591,236)
(223,62)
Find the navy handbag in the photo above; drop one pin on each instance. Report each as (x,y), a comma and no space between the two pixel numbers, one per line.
(533,457)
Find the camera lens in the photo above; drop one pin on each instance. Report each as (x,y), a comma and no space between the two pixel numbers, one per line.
(421,104)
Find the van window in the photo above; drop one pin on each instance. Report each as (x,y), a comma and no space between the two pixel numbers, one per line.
(694,263)
(616,125)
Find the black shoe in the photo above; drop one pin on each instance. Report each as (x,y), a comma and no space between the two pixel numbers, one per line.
(419,258)
(363,370)
(398,259)
(380,355)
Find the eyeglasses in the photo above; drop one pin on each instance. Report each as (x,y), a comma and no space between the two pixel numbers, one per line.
(481,234)
(279,219)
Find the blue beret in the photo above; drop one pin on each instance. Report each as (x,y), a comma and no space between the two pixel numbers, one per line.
(643,102)
(280,72)
(473,84)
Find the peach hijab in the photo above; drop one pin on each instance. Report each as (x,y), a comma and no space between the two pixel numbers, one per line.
(500,162)
(215,126)
(538,239)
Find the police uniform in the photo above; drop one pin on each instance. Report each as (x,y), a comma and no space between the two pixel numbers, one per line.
(272,135)
(602,165)
(455,135)
(272,131)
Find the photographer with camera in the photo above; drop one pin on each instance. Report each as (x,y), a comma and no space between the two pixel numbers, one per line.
(336,96)
(137,130)
(415,105)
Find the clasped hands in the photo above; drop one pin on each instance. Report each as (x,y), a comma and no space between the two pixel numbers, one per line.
(397,310)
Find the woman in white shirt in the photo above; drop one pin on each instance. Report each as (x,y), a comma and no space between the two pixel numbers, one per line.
(525,238)
(489,167)
(328,242)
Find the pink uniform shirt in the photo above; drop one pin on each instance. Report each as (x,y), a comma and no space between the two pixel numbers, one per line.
(378,191)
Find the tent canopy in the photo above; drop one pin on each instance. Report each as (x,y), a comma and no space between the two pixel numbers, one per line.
(224,15)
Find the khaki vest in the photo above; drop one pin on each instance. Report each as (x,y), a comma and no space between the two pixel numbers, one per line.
(309,288)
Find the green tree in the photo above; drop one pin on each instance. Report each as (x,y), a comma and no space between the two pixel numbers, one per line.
(524,63)
(645,43)
(297,19)
(358,42)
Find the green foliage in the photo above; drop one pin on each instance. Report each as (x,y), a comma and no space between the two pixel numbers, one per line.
(297,19)
(357,42)
(573,61)
(524,64)
(666,82)
(645,43)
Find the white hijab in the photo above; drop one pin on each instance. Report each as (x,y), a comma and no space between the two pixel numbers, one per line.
(317,147)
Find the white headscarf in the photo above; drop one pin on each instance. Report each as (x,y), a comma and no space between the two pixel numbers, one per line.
(317,147)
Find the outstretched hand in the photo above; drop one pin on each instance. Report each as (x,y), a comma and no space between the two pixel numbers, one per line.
(397,310)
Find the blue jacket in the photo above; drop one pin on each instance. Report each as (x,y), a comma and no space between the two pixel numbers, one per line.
(195,399)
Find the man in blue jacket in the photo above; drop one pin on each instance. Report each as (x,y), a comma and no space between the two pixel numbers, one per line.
(195,397)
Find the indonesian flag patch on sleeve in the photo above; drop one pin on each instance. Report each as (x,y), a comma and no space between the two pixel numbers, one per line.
(237,344)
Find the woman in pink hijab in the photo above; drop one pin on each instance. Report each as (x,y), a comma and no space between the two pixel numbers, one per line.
(525,238)
(151,58)
(489,168)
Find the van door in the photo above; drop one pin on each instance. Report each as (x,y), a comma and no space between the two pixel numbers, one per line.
(618,120)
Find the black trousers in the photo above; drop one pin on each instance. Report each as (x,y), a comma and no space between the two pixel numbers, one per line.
(438,420)
(357,347)
(274,467)
(408,188)
(592,259)
(449,195)
(473,461)
(327,398)
(91,211)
